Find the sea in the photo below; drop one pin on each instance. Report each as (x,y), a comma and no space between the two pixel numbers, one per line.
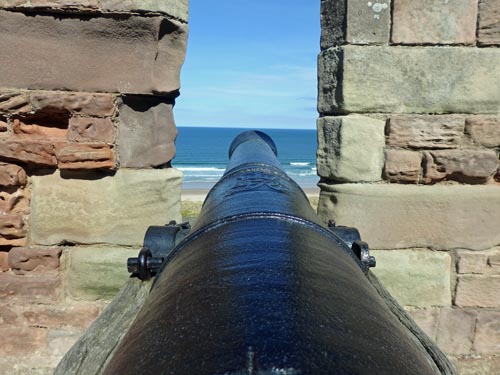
(202,154)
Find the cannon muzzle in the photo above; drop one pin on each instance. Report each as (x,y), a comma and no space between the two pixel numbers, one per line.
(260,285)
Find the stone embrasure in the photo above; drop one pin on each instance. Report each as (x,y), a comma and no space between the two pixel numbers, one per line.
(350,148)
(415,277)
(146,61)
(405,216)
(88,208)
(434,22)
(409,79)
(107,265)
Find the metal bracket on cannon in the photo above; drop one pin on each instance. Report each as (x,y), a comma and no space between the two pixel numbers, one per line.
(352,239)
(159,241)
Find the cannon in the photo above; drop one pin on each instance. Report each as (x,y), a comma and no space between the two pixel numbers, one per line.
(260,285)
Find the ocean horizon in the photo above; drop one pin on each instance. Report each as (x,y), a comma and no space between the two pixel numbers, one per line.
(202,154)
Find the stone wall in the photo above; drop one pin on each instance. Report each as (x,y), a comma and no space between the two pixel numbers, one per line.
(409,141)
(86,138)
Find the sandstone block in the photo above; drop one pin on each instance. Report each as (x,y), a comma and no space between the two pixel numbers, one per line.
(484,130)
(33,288)
(60,341)
(75,315)
(478,291)
(108,265)
(43,132)
(83,103)
(479,262)
(12,230)
(409,80)
(4,261)
(145,61)
(434,22)
(488,32)
(14,202)
(147,132)
(427,320)
(15,341)
(14,102)
(405,216)
(91,129)
(12,175)
(27,151)
(176,8)
(415,277)
(456,331)
(487,341)
(368,22)
(424,131)
(85,156)
(333,16)
(350,148)
(112,209)
(468,166)
(23,260)
(402,166)
(9,315)
(3,125)
(477,365)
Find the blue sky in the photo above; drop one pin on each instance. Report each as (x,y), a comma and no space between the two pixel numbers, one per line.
(250,63)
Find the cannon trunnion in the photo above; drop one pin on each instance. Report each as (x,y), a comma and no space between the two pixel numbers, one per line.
(261,286)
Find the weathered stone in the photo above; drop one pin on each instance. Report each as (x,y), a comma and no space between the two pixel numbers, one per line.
(9,316)
(60,341)
(487,339)
(29,288)
(85,156)
(14,102)
(477,365)
(479,262)
(175,8)
(333,16)
(469,166)
(27,151)
(34,130)
(409,79)
(456,331)
(427,320)
(393,216)
(488,32)
(424,131)
(76,315)
(478,291)
(12,230)
(22,340)
(106,264)
(368,22)
(415,277)
(402,166)
(114,209)
(4,127)
(434,22)
(23,259)
(15,203)
(12,175)
(484,130)
(90,104)
(350,148)
(71,4)
(145,61)
(4,263)
(147,132)
(91,129)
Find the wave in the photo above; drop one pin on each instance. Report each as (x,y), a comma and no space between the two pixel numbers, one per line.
(299,164)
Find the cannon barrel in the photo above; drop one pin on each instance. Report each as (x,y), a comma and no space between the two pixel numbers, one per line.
(261,286)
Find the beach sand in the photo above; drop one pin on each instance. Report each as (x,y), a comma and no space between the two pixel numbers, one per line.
(192,199)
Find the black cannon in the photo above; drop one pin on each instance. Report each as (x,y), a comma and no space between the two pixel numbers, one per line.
(261,286)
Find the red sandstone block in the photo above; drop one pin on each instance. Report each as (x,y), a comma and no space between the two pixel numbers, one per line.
(14,102)
(90,104)
(402,166)
(28,151)
(16,202)
(484,130)
(12,230)
(478,291)
(12,175)
(80,316)
(4,263)
(23,259)
(22,340)
(29,288)
(3,126)
(85,156)
(44,130)
(91,129)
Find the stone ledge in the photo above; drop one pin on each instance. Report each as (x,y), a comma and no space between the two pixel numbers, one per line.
(391,216)
(91,208)
(409,80)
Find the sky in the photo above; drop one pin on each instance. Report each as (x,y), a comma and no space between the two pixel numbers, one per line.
(250,64)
